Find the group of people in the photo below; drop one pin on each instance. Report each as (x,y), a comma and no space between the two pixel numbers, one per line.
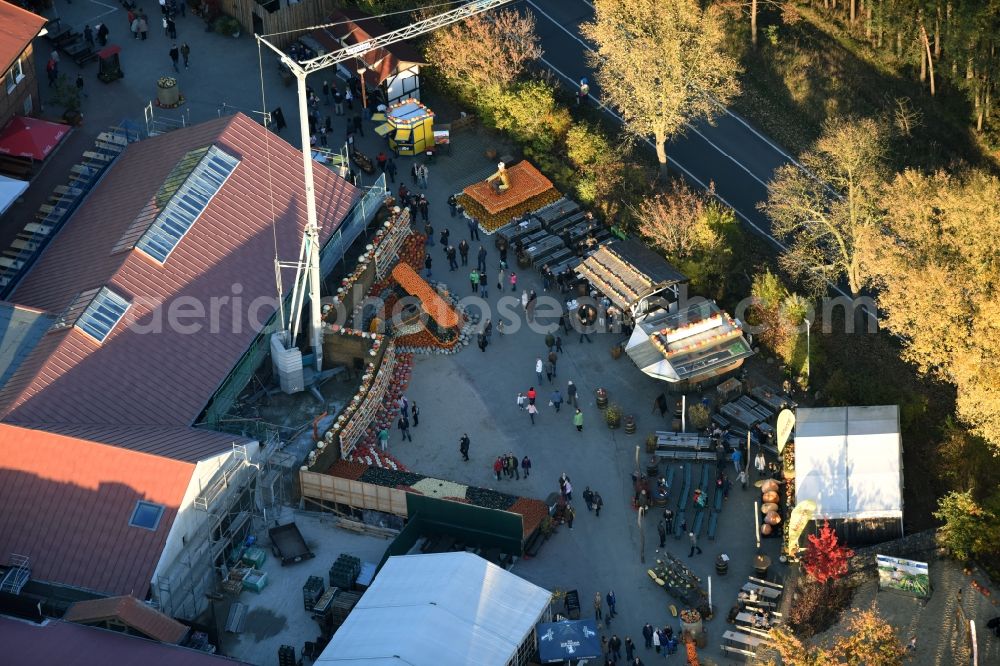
(508,465)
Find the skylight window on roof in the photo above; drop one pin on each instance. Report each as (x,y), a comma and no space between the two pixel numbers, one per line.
(187,204)
(103,314)
(146,515)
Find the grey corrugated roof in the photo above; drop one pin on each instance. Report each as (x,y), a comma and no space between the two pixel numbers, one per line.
(178,442)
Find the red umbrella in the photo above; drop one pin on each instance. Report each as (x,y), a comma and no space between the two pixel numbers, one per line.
(31,137)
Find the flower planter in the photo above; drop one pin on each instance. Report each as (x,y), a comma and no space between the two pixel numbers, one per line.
(168,94)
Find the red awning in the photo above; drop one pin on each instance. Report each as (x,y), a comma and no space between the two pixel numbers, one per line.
(31,137)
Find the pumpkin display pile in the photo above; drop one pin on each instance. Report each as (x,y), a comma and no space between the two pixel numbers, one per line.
(372,457)
(490,222)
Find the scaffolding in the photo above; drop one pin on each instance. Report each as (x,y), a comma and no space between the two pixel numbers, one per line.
(230,508)
(17,575)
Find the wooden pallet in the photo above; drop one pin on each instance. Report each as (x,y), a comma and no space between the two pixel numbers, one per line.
(237,618)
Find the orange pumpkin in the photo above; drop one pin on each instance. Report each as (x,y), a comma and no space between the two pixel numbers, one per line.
(772,518)
(766,529)
(768,508)
(769,486)
(770,497)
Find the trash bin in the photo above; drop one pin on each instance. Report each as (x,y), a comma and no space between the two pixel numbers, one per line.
(722,565)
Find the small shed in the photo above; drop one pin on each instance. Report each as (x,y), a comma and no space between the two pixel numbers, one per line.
(849,461)
(409,126)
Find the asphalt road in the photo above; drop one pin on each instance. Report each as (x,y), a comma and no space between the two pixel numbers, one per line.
(732,154)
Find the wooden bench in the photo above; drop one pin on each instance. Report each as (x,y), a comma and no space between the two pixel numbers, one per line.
(699,520)
(27,246)
(68,190)
(766,583)
(729,649)
(11,262)
(685,489)
(705,476)
(743,640)
(99,156)
(713,524)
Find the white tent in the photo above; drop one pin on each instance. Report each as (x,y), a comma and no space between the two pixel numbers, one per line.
(10,190)
(848,460)
(443,608)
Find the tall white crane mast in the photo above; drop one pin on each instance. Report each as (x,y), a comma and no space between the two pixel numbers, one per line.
(307,270)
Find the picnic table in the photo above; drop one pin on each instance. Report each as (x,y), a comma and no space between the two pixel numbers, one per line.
(736,412)
(556,210)
(767,593)
(682,440)
(542,248)
(773,399)
(743,640)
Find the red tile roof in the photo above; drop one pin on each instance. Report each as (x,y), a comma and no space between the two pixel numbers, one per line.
(67,505)
(355,27)
(167,377)
(67,643)
(17,28)
(131,612)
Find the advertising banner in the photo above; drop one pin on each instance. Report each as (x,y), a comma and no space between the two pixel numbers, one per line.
(907,576)
(801,515)
(786,421)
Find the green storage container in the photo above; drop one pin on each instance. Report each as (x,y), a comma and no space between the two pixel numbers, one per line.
(255,557)
(255,581)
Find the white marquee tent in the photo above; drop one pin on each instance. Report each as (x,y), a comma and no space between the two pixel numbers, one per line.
(848,460)
(442,608)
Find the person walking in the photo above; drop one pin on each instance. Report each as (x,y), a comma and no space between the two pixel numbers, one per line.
(338,100)
(571,393)
(473,230)
(737,459)
(570,515)
(500,276)
(532,394)
(463,250)
(693,538)
(512,464)
(349,100)
(615,646)
(175,54)
(481,259)
(427,264)
(598,607)
(474,281)
(390,168)
(415,412)
(760,464)
(612,600)
(463,446)
(484,285)
(185,54)
(171,28)
(743,479)
(404,426)
(88,35)
(656,640)
(556,399)
(567,489)
(513,281)
(143,27)
(588,498)
(423,174)
(661,529)
(452,261)
(647,635)
(497,466)
(424,206)
(532,410)
(134,27)
(445,235)
(526,466)
(383,438)
(79,85)
(668,520)
(598,503)
(453,205)
(578,420)
(550,370)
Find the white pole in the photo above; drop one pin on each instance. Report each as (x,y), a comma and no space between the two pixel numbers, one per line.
(808,362)
(756,522)
(684,413)
(709,593)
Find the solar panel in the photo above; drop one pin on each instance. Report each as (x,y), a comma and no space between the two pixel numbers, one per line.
(103,313)
(187,204)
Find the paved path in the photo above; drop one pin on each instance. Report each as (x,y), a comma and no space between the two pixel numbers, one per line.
(475,392)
